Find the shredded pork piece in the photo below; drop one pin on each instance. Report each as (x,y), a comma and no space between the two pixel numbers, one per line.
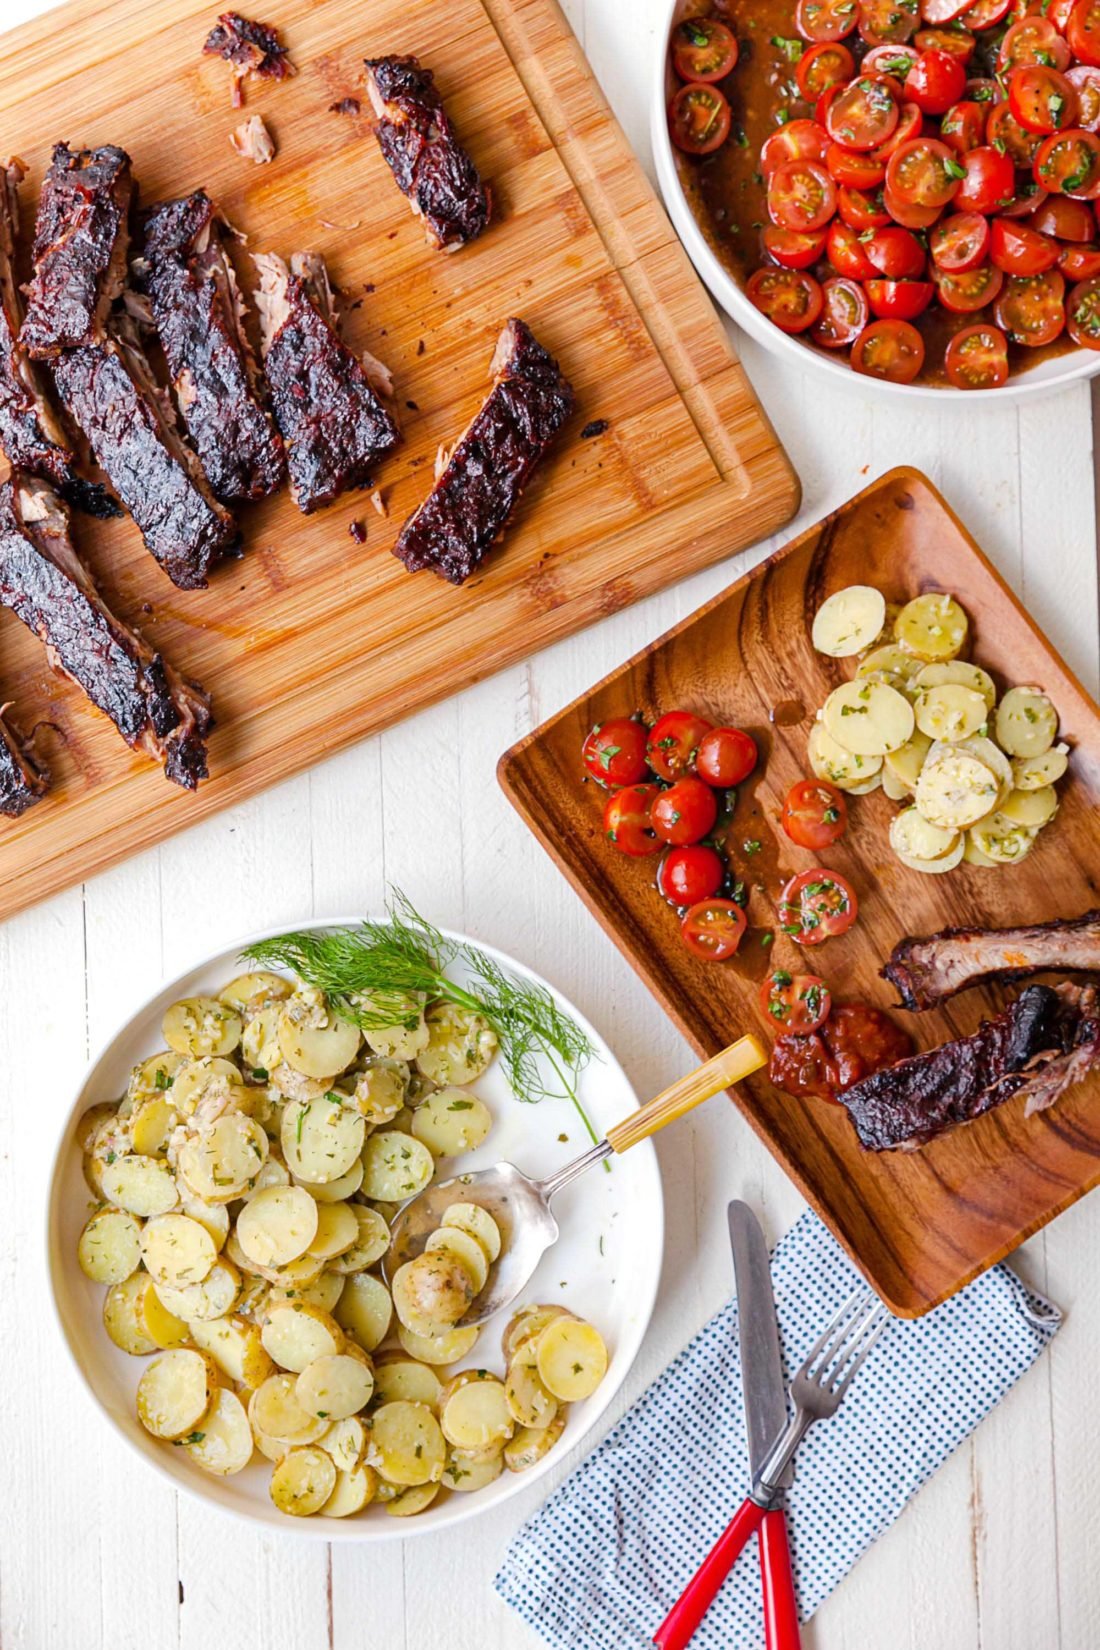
(252,141)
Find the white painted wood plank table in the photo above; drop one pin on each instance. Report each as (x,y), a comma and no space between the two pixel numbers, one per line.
(996,1553)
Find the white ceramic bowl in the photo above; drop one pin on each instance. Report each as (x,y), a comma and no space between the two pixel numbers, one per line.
(605,1266)
(1049,375)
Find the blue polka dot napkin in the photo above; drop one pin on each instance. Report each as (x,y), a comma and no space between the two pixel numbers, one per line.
(600,1565)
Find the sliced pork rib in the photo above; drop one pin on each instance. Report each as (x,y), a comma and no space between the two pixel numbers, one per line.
(32,436)
(431,168)
(81,241)
(23,779)
(198,313)
(44,582)
(1045,1040)
(927,970)
(335,426)
(110,391)
(491,463)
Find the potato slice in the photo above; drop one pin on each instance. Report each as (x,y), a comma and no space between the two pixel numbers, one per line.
(110,1246)
(461,1045)
(335,1386)
(973,855)
(1002,841)
(933,626)
(380,1090)
(890,663)
(467,1251)
(468,1473)
(936,867)
(365,1310)
(122,1317)
(294,1335)
(214,1297)
(260,1049)
(951,712)
(142,1186)
(372,1239)
(432,1292)
(895,789)
(407,1446)
(986,752)
(868,718)
(154,1075)
(1031,808)
(848,621)
(961,673)
(410,1502)
(528,1446)
(472,1218)
(954,792)
(1027,722)
(572,1359)
(214,1216)
(276,1414)
(277,1225)
(447,1348)
(395,1166)
(151,1122)
(451,1121)
(321,1138)
(476,1413)
(397,1377)
(529,1402)
(338,1190)
(175,1391)
(346,1441)
(176,1250)
(527,1324)
(337,1230)
(352,1493)
(208,1086)
(273,1173)
(236,1347)
(311,1038)
(201,1025)
(916,837)
(220,1163)
(1032,773)
(906,764)
(303,1481)
(250,992)
(161,1326)
(222,1443)
(90,1122)
(251,1303)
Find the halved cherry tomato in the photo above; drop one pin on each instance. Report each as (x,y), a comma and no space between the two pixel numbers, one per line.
(899,300)
(1080,262)
(986,14)
(844,313)
(960,242)
(844,250)
(685,812)
(1058,11)
(908,215)
(703,49)
(859,169)
(888,22)
(910,125)
(1033,40)
(1085,80)
(1026,200)
(1083,314)
(963,126)
(789,297)
(956,42)
(969,291)
(614,752)
(799,140)
(815,814)
(938,12)
(699,119)
(791,248)
(862,209)
(1065,219)
(801,195)
(687,875)
(989,181)
(712,930)
(825,19)
(1030,308)
(797,1002)
(890,62)
(1068,163)
(816,905)
(977,358)
(935,82)
(822,66)
(1041,99)
(1083,32)
(1004,132)
(893,350)
(674,741)
(924,173)
(863,114)
(895,253)
(1019,250)
(726,757)
(628,820)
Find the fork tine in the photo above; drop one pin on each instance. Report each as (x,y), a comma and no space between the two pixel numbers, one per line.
(835,1327)
(859,1349)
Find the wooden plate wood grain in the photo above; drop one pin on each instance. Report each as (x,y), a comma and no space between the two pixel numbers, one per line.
(920,1225)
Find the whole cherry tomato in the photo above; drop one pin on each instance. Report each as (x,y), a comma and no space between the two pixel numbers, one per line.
(685,812)
(628,820)
(614,752)
(726,757)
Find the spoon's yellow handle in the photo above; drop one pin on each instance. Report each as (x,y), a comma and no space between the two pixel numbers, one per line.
(735,1062)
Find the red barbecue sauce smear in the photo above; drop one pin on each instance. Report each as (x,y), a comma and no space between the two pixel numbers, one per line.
(855,1041)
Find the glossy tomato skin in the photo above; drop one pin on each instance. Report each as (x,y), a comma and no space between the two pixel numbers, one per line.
(815,814)
(712,930)
(977,358)
(936,81)
(699,119)
(704,50)
(1083,32)
(899,300)
(1004,132)
(726,757)
(1065,219)
(685,812)
(891,62)
(1068,163)
(895,253)
(614,752)
(862,210)
(790,298)
(1030,308)
(844,313)
(963,126)
(862,114)
(799,140)
(910,125)
(924,173)
(690,874)
(859,169)
(674,743)
(1041,99)
(990,180)
(791,248)
(964,294)
(1079,262)
(822,66)
(825,19)
(844,250)
(801,195)
(816,905)
(796,1002)
(893,350)
(960,242)
(628,822)
(910,216)
(1033,40)
(1020,250)
(1083,314)
(886,23)
(1085,80)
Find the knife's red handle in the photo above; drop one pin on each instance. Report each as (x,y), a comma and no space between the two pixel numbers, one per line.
(780,1604)
(679,1625)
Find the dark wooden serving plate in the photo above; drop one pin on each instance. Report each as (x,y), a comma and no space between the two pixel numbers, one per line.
(919,1225)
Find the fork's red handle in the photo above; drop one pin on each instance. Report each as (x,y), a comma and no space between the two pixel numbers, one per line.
(780,1604)
(780,1609)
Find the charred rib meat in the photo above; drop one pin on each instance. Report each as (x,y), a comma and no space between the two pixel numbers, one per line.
(31,433)
(81,241)
(492,461)
(252,48)
(198,312)
(43,580)
(333,423)
(926,971)
(1043,1042)
(110,391)
(431,168)
(23,780)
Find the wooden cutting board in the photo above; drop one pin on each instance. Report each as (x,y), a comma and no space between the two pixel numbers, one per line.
(311,641)
(919,1224)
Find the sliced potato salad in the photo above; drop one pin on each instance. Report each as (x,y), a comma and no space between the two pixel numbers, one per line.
(975,773)
(244,1188)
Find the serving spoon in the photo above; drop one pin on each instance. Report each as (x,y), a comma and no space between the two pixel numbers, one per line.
(521,1206)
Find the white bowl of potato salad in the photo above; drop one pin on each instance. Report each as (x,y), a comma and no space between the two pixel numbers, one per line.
(220,1206)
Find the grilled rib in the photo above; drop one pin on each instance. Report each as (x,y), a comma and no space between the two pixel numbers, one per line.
(198,312)
(23,779)
(110,391)
(81,242)
(44,582)
(479,485)
(31,433)
(1044,1041)
(928,970)
(431,168)
(333,422)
